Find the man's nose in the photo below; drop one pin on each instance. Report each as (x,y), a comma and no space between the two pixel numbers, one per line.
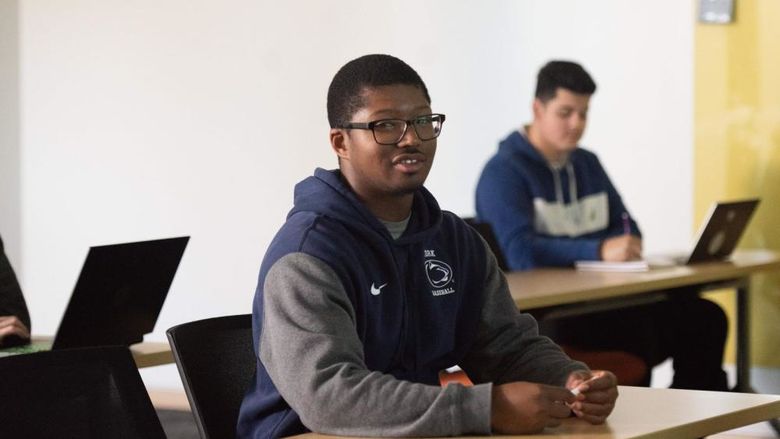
(577,121)
(409,138)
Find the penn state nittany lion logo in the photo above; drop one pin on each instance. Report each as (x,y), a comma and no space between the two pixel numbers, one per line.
(439,273)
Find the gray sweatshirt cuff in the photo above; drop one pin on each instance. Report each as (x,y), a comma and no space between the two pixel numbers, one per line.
(475,410)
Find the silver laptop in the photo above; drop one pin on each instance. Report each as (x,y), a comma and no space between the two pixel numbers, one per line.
(718,237)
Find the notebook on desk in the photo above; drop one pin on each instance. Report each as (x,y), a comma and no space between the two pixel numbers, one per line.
(627,266)
(118,296)
(719,235)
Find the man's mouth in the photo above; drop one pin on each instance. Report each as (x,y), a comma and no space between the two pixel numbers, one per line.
(409,164)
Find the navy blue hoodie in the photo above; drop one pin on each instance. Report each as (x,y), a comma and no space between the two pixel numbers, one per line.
(548,216)
(431,281)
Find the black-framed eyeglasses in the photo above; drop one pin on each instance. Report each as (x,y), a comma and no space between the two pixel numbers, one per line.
(391,131)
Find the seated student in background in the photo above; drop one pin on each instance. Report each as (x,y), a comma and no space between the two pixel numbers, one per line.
(369,290)
(14,318)
(551,203)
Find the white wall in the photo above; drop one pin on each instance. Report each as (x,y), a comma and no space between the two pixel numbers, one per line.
(10,212)
(149,119)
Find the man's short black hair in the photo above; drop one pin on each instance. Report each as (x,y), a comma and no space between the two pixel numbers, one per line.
(345,94)
(563,74)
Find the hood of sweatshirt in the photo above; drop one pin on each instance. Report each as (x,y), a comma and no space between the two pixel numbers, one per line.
(518,143)
(325,193)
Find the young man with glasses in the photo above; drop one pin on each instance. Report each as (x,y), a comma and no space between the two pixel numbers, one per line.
(370,290)
(551,203)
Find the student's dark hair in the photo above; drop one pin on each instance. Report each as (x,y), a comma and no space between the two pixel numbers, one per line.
(345,94)
(563,74)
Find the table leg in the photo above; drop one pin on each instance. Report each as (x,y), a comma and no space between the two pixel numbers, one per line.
(743,337)
(743,344)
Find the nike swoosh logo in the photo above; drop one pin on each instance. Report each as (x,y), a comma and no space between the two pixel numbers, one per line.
(376,290)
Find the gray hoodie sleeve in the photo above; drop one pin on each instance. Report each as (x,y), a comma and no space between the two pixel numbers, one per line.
(311,350)
(509,347)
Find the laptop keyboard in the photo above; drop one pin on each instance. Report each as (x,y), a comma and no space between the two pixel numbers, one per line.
(26,349)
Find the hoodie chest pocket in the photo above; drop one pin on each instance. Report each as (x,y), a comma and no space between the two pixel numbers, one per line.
(586,215)
(384,321)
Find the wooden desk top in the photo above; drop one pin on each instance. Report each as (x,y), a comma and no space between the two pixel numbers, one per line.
(663,414)
(151,353)
(556,286)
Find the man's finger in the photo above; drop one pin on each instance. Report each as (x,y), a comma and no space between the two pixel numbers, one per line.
(595,409)
(559,410)
(596,420)
(559,394)
(19,330)
(600,396)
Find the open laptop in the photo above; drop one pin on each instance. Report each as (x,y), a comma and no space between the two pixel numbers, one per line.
(118,295)
(719,235)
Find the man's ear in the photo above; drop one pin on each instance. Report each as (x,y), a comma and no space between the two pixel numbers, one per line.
(338,141)
(537,107)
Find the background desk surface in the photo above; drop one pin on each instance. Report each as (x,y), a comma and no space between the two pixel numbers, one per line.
(151,353)
(663,414)
(556,286)
(145,354)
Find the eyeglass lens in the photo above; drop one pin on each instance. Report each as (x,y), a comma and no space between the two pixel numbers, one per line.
(391,131)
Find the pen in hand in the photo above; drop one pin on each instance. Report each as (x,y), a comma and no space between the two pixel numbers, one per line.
(634,253)
(578,389)
(626,224)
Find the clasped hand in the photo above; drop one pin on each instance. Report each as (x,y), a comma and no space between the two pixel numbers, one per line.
(597,394)
(522,407)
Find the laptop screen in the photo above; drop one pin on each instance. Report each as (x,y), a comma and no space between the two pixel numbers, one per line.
(724,227)
(119,293)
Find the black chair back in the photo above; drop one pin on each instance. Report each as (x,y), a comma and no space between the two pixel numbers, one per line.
(75,393)
(486,231)
(216,362)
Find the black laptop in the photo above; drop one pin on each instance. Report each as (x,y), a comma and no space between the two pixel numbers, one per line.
(118,295)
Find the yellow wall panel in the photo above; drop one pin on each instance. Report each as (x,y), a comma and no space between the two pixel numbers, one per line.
(737,145)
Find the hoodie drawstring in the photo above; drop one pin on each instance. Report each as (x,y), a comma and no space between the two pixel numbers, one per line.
(573,208)
(572,183)
(559,186)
